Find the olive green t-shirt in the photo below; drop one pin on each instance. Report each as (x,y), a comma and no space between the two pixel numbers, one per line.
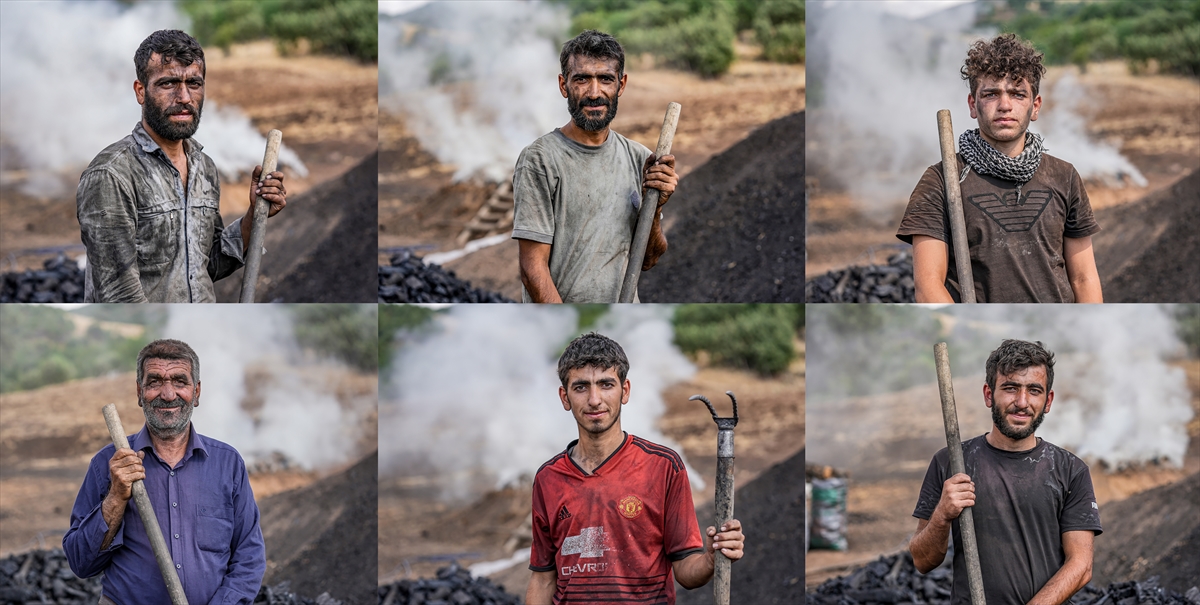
(583,201)
(1015,231)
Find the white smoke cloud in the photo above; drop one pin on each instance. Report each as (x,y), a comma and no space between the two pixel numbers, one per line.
(879,79)
(476,81)
(66,85)
(300,416)
(479,394)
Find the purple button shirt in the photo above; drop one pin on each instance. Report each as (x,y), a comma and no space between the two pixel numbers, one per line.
(207,514)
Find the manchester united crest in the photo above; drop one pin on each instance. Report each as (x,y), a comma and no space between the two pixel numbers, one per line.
(630,507)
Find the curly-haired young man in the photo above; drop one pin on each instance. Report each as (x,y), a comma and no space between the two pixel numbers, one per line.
(1029,222)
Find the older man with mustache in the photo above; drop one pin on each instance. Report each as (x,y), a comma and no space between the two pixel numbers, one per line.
(199,489)
(148,205)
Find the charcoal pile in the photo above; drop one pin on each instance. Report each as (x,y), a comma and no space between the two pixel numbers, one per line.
(280,594)
(60,280)
(1141,593)
(409,280)
(453,586)
(891,579)
(43,576)
(892,282)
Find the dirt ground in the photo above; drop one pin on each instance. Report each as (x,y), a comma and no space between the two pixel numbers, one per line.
(770,431)
(49,435)
(1155,118)
(885,476)
(326,108)
(420,207)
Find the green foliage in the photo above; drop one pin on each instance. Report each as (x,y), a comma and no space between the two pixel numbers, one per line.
(696,35)
(1139,31)
(336,27)
(779,27)
(345,332)
(39,346)
(1187,318)
(589,314)
(758,337)
(394,318)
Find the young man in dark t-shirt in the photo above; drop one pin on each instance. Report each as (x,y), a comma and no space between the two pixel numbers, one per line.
(1029,224)
(613,520)
(1034,509)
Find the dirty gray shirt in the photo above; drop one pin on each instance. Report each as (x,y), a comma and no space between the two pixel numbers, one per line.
(147,239)
(583,201)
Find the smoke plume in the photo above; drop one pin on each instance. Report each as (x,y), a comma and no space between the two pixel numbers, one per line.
(66,85)
(475,81)
(248,355)
(475,399)
(876,81)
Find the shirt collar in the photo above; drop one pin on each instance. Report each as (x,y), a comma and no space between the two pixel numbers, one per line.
(196,442)
(147,143)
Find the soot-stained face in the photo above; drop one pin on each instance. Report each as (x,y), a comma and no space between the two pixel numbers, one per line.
(172,98)
(167,395)
(592,90)
(594,396)
(1020,402)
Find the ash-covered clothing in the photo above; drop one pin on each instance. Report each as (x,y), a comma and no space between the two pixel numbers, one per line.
(1015,231)
(1024,502)
(611,536)
(148,238)
(583,201)
(207,514)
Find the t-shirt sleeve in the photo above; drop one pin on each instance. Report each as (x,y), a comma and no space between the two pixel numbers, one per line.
(542,551)
(681,533)
(926,211)
(1080,511)
(533,199)
(1081,222)
(931,487)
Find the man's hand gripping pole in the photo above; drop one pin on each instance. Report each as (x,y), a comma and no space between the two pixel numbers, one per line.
(641,236)
(146,512)
(258,231)
(966,521)
(723,502)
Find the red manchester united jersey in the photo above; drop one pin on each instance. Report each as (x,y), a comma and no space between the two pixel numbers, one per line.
(611,536)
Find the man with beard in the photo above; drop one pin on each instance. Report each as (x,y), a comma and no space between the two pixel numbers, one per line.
(1029,224)
(198,487)
(613,520)
(1035,512)
(148,204)
(577,190)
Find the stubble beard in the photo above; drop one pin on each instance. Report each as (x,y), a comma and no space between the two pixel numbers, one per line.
(576,105)
(159,119)
(598,429)
(167,430)
(1008,430)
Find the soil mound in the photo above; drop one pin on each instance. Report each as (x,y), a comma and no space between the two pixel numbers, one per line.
(1147,247)
(323,246)
(740,230)
(1154,533)
(324,537)
(771,509)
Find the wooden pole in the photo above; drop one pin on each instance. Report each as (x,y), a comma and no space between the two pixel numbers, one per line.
(958,224)
(641,236)
(258,231)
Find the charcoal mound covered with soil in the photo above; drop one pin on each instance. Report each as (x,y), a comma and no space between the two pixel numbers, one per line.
(60,280)
(1154,533)
(892,282)
(771,509)
(324,537)
(740,230)
(321,248)
(409,280)
(453,586)
(894,579)
(1148,249)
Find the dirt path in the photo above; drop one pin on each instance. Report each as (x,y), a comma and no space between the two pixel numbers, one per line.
(326,108)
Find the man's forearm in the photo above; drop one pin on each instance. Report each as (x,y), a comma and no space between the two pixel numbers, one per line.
(113,510)
(695,570)
(541,588)
(928,545)
(1073,575)
(657,245)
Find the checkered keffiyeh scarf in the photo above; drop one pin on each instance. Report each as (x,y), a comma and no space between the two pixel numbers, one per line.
(985,159)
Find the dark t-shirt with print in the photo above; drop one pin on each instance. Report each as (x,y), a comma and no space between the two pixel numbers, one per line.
(1024,501)
(1015,230)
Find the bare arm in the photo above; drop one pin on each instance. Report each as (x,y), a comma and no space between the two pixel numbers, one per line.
(697,569)
(535,271)
(1081,269)
(125,467)
(541,588)
(928,544)
(931,259)
(1075,572)
(658,175)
